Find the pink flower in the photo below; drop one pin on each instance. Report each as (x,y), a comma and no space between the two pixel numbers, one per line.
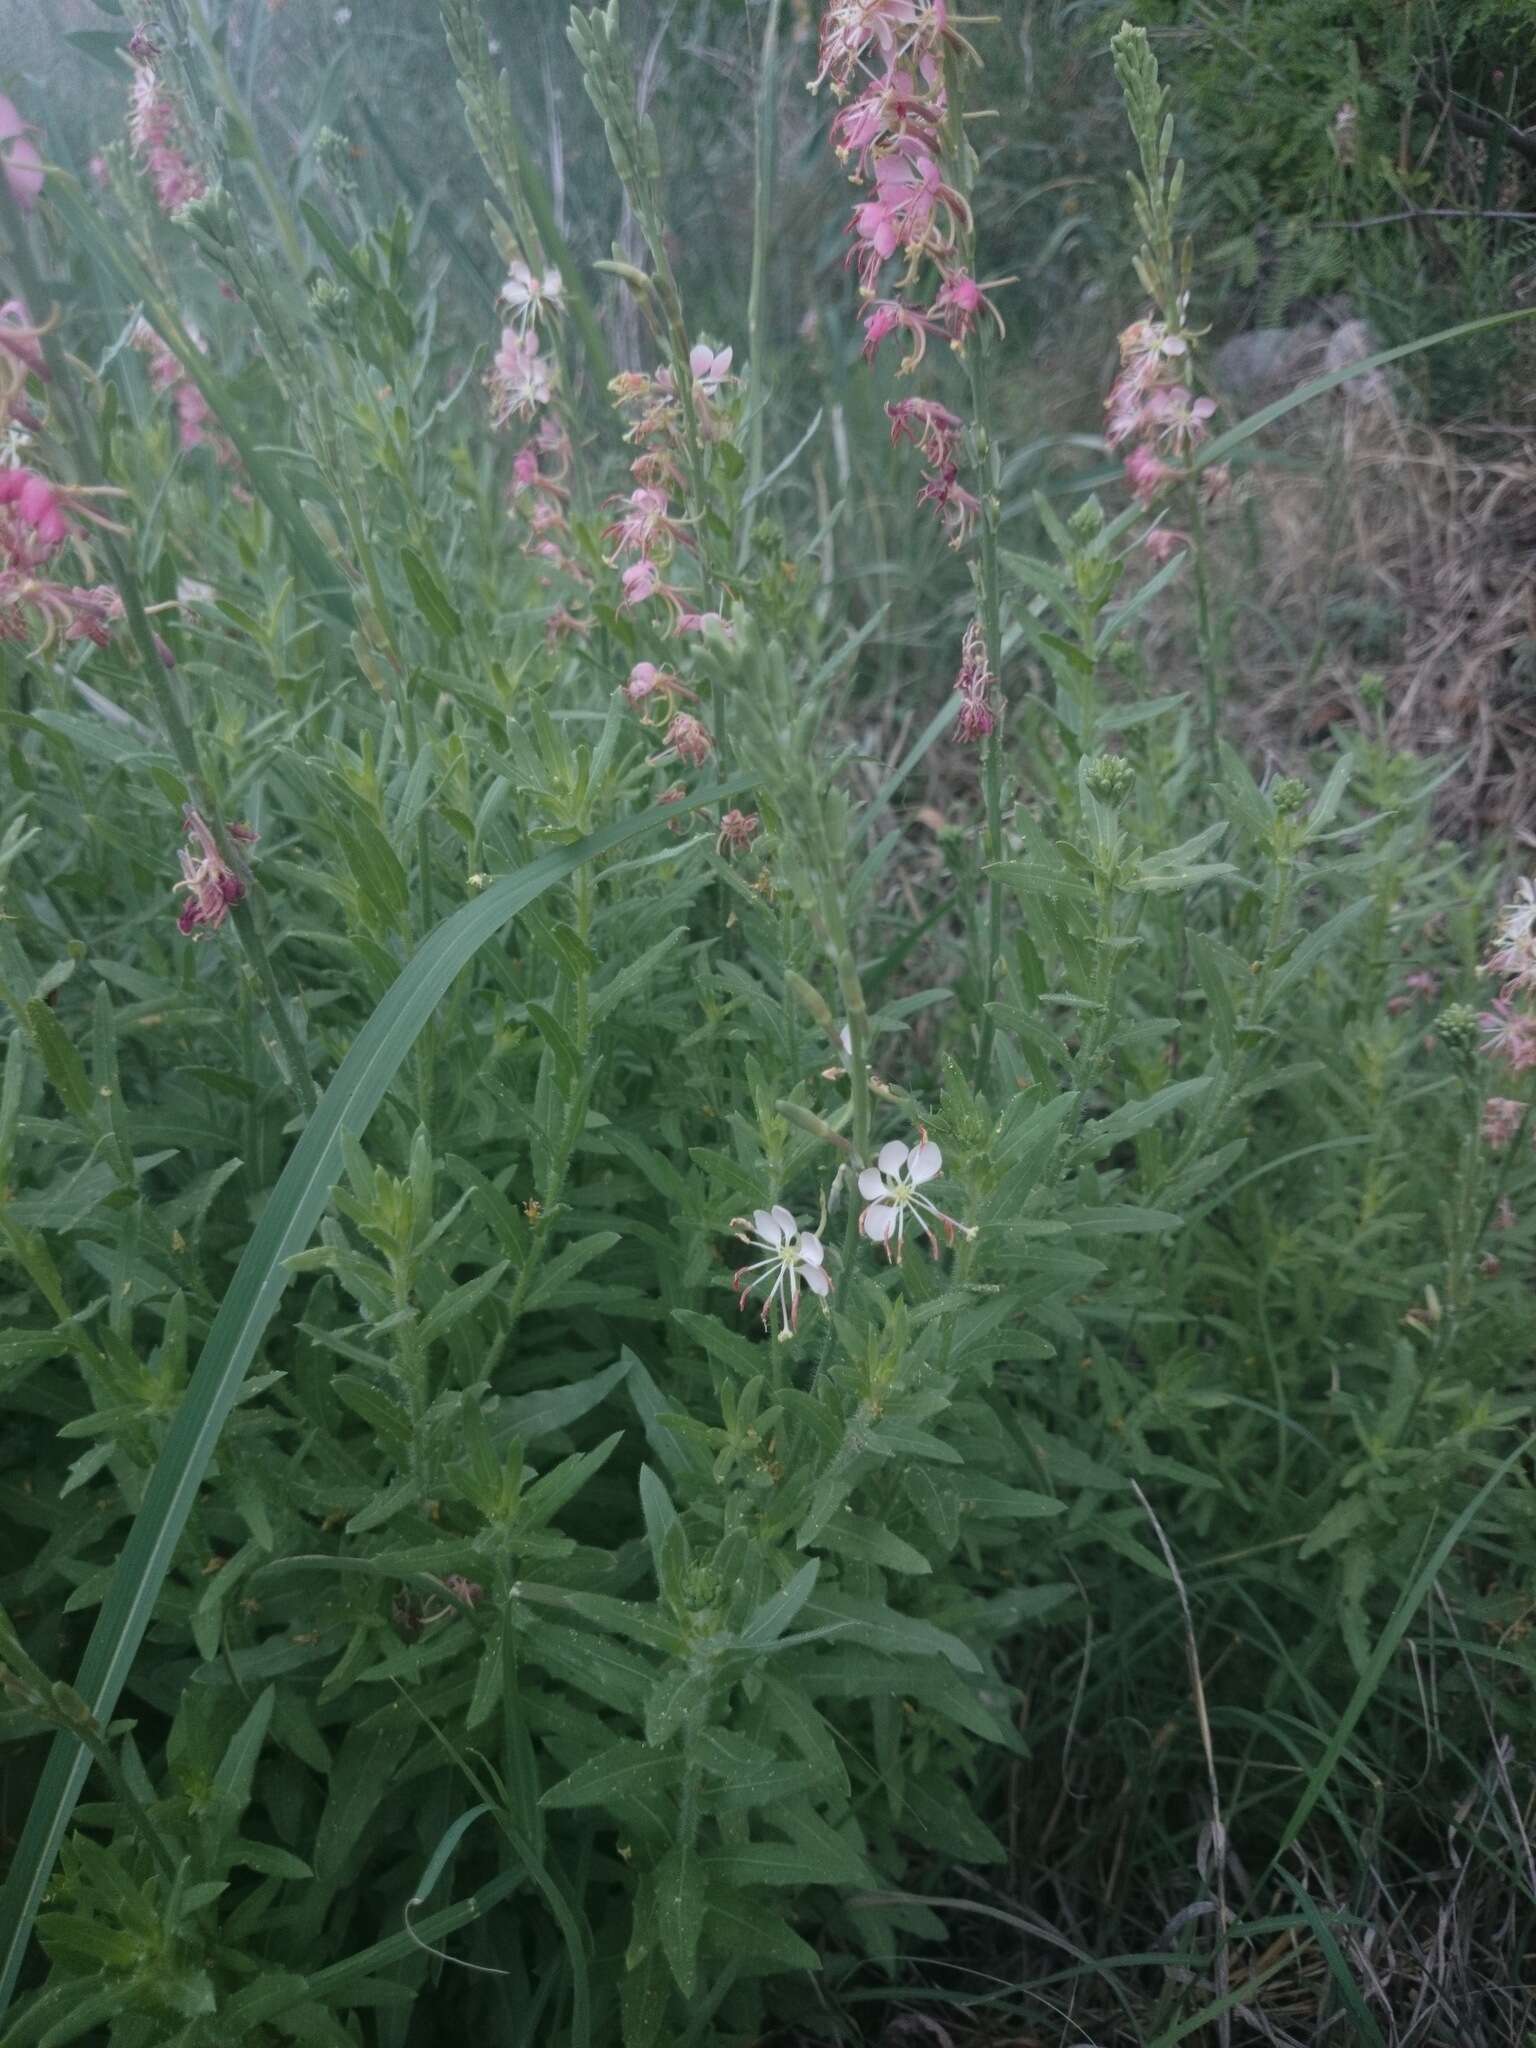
(37,526)
(18,153)
(1501,1120)
(519,380)
(1178,417)
(894,105)
(213,888)
(650,688)
(646,529)
(892,32)
(154,129)
(710,367)
(1147,348)
(1146,474)
(885,317)
(1125,408)
(961,302)
(1164,542)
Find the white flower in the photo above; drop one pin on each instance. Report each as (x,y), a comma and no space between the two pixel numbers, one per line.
(795,1259)
(890,1188)
(527,295)
(710,367)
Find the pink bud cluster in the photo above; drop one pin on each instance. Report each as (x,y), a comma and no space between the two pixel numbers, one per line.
(37,519)
(212,887)
(169,379)
(1151,411)
(155,131)
(890,55)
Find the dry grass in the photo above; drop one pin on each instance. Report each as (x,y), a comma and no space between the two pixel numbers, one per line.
(1379,546)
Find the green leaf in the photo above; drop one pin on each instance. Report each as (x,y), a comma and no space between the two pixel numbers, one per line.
(431,599)
(65,1068)
(680,1902)
(619,1772)
(287,1221)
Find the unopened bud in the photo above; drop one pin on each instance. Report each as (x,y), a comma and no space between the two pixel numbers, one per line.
(1109,777)
(1288,795)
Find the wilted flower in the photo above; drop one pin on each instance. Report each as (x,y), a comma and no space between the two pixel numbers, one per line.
(213,888)
(932,428)
(1164,542)
(974,685)
(689,739)
(1501,1120)
(794,1259)
(959,509)
(737,831)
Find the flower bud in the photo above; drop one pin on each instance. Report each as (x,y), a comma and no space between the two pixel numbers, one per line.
(1288,795)
(1109,777)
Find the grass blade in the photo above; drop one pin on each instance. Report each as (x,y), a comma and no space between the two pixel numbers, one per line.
(285,1226)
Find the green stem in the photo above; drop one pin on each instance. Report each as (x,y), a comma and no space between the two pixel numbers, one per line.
(757,325)
(992,632)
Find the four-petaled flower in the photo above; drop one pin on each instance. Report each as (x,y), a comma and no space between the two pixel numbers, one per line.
(710,367)
(527,295)
(794,1259)
(891,1192)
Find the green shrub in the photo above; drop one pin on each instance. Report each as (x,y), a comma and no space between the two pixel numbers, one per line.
(499,1627)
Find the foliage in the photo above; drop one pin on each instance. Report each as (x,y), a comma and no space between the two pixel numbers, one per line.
(1383,152)
(531,1641)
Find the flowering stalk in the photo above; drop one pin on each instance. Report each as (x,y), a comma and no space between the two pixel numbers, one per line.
(767,138)
(904,134)
(1150,403)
